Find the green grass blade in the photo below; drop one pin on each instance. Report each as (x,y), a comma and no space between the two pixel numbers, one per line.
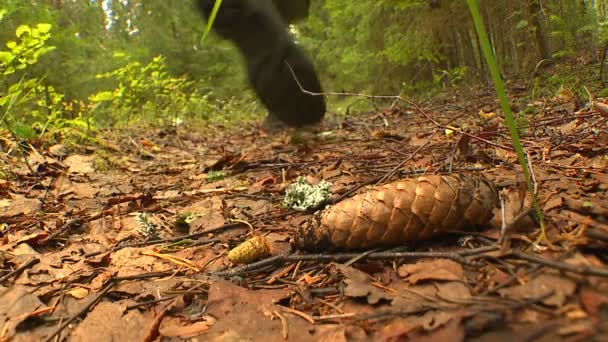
(505,105)
(216,8)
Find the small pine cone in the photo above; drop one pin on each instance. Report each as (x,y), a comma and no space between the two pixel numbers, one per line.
(402,211)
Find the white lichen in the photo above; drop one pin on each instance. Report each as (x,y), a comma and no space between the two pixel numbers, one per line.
(303,196)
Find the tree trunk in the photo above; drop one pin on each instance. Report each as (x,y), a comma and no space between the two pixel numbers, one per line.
(542,47)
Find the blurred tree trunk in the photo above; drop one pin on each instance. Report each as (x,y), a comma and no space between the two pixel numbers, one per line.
(540,39)
(600,6)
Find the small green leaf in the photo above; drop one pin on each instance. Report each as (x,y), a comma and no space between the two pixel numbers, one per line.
(44,27)
(23,29)
(6,57)
(24,131)
(119,54)
(522,24)
(102,96)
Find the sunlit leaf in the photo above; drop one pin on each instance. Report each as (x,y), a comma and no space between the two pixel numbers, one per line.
(6,57)
(23,29)
(45,28)
(522,24)
(102,96)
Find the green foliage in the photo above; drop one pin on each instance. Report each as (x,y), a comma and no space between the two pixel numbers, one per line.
(147,92)
(454,76)
(213,175)
(562,33)
(31,108)
(26,50)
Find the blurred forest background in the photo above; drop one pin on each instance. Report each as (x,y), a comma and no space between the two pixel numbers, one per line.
(72,66)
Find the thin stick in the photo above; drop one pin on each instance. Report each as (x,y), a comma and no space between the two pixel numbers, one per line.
(562,266)
(82,311)
(458,256)
(31,262)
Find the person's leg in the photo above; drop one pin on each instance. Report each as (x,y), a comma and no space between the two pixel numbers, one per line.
(258,29)
(292,10)
(283,84)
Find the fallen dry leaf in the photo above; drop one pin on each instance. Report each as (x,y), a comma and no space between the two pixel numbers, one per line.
(359,284)
(560,287)
(111,322)
(437,269)
(16,304)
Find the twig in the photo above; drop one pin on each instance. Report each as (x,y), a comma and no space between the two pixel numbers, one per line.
(403,162)
(597,234)
(562,266)
(153,332)
(144,276)
(458,256)
(298,313)
(399,98)
(284,324)
(149,302)
(355,188)
(29,263)
(171,240)
(360,257)
(278,259)
(101,294)
(507,228)
(485,319)
(82,311)
(537,333)
(71,225)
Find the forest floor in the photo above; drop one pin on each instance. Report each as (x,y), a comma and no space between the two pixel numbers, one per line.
(130,242)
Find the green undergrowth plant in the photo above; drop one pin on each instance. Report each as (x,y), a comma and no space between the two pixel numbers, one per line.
(144,93)
(147,94)
(31,109)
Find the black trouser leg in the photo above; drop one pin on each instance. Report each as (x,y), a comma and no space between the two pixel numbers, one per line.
(275,63)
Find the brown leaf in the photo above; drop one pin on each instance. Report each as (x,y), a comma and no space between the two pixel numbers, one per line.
(434,325)
(18,205)
(435,269)
(209,213)
(594,302)
(555,201)
(184,331)
(541,285)
(359,285)
(448,328)
(130,261)
(241,315)
(109,322)
(79,164)
(16,304)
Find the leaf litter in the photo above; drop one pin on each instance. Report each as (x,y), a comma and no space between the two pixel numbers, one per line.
(133,243)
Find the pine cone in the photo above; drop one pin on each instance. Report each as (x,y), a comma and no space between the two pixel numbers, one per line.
(402,211)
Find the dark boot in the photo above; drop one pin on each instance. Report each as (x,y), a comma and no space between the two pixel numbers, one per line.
(274,61)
